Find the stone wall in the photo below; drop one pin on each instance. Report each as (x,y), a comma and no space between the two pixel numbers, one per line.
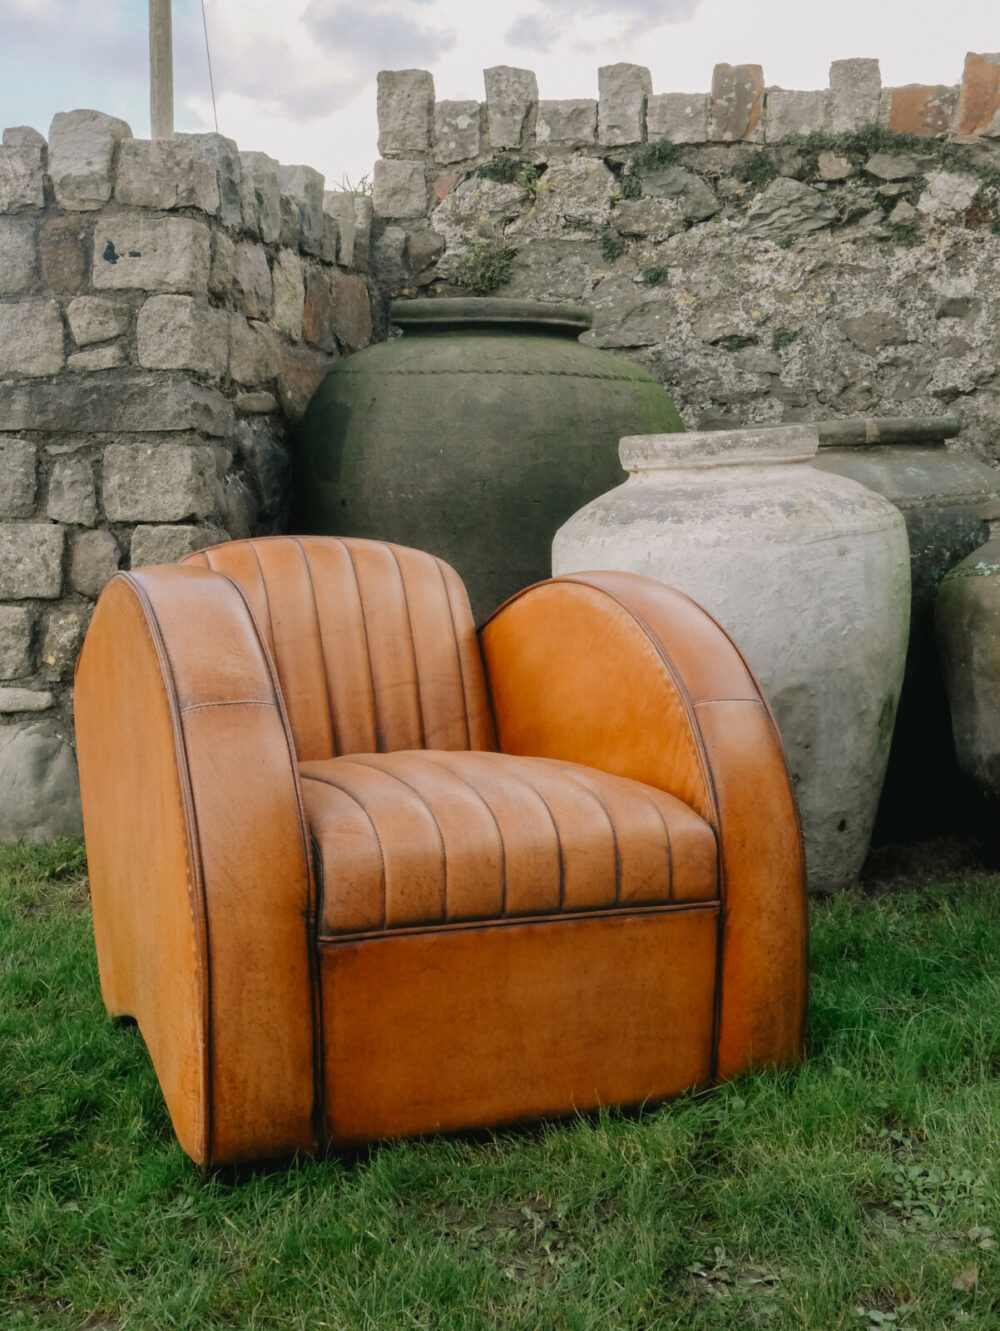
(166,310)
(770,255)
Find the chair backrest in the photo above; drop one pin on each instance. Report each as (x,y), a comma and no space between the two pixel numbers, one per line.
(374,644)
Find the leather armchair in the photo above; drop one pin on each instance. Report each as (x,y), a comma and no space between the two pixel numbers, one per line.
(358,873)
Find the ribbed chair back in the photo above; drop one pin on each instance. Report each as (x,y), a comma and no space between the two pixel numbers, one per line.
(374,644)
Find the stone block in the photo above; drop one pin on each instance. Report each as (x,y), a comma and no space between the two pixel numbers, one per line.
(64,248)
(157,482)
(511,106)
(400,189)
(405,111)
(261,193)
(788,114)
(30,560)
(251,351)
(290,235)
(289,293)
(16,628)
(339,206)
(456,131)
(181,333)
(18,471)
(737,104)
(62,639)
(220,278)
(267,463)
(922,110)
(256,404)
(94,561)
(225,157)
(300,372)
(151,253)
(22,170)
(31,339)
(443,184)
(423,248)
(979,97)
(364,211)
(24,700)
(81,148)
(789,208)
(97,319)
(166,173)
(696,199)
(352,311)
(832,166)
(678,117)
(236,505)
(38,777)
(623,91)
(304,188)
(72,497)
(107,356)
(168,544)
(252,284)
(18,256)
(655,220)
(566,124)
(141,402)
(889,166)
(873,330)
(947,195)
(318,314)
(855,95)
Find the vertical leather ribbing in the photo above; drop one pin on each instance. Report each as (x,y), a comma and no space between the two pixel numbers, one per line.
(374,644)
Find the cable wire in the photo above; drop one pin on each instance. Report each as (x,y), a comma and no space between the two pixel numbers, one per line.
(208,57)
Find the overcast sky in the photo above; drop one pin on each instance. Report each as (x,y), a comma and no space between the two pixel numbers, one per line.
(296,79)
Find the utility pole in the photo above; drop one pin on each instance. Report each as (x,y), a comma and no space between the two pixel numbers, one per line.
(161,69)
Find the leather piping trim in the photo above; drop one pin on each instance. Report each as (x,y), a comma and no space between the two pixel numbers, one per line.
(467,926)
(197,895)
(368,649)
(699,745)
(441,566)
(325,781)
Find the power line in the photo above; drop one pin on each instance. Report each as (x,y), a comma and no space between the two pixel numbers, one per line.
(208,57)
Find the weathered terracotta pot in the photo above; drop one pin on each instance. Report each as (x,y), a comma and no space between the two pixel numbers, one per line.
(808,571)
(968,627)
(946,498)
(473,435)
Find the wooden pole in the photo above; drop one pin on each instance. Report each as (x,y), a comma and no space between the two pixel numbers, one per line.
(161,69)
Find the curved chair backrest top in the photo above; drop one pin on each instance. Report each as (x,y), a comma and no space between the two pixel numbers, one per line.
(374,644)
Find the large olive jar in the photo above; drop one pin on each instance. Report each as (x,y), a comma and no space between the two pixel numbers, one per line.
(809,572)
(473,435)
(946,497)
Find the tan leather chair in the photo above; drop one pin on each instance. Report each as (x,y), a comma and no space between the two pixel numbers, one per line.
(357,874)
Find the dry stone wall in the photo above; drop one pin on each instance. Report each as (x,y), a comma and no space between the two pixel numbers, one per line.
(166,310)
(769,254)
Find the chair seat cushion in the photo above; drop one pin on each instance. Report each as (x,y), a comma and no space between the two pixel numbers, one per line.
(429,838)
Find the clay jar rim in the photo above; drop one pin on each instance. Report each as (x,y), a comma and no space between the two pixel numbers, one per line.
(753,446)
(488,312)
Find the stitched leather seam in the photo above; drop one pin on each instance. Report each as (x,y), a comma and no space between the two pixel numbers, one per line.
(267,600)
(503,845)
(192,850)
(467,926)
(368,651)
(375,767)
(555,827)
(582,785)
(413,647)
(458,652)
(334,744)
(325,781)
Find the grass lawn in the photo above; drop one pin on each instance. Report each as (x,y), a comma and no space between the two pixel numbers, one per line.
(860,1192)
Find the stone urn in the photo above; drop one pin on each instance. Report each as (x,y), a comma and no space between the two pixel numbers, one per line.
(809,573)
(946,497)
(968,628)
(474,435)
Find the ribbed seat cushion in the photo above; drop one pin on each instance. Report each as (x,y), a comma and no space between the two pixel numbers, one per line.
(431,837)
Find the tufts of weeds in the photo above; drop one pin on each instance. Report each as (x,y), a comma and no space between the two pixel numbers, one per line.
(758,170)
(502,167)
(784,337)
(484,266)
(612,246)
(906,234)
(654,275)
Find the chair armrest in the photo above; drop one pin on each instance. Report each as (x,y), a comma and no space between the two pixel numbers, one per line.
(199,865)
(619,672)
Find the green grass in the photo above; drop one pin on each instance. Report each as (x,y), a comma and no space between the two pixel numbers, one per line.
(868,1181)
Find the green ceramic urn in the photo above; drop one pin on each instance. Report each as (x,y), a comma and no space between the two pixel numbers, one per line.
(474,433)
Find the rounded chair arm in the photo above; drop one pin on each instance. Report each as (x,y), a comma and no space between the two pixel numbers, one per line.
(619,672)
(199,864)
